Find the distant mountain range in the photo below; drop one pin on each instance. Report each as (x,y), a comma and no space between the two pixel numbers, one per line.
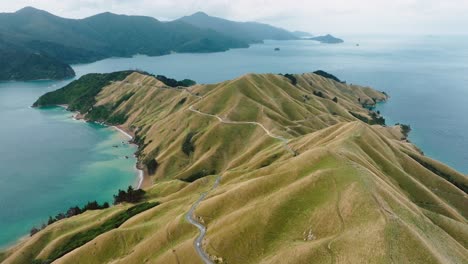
(250,32)
(35,44)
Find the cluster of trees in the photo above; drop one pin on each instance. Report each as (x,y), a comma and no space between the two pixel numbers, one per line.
(405,129)
(291,78)
(80,94)
(72,211)
(328,76)
(129,196)
(174,83)
(376,118)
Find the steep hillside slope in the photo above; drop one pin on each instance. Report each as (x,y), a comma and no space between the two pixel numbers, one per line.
(19,63)
(302,179)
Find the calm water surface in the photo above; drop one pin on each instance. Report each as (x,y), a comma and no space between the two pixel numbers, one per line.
(49,162)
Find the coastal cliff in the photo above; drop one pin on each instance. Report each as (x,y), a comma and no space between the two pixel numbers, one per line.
(305,172)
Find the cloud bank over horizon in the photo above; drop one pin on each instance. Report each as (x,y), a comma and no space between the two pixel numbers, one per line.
(334,16)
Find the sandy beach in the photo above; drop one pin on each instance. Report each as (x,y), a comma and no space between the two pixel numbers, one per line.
(141,174)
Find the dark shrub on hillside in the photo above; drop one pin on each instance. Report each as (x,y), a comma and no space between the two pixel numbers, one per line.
(33,231)
(129,196)
(187,145)
(71,212)
(405,129)
(182,101)
(152,166)
(173,82)
(376,119)
(291,78)
(327,75)
(318,93)
(335,99)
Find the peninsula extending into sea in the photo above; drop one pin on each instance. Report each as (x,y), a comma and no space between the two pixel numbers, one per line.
(302,161)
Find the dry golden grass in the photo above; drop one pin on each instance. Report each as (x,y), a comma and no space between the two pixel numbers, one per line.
(353,193)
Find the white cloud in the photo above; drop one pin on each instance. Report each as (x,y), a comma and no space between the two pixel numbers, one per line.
(335,16)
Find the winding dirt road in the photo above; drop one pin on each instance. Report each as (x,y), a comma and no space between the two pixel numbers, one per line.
(282,139)
(198,243)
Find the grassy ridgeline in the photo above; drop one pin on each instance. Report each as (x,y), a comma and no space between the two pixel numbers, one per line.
(81,238)
(353,190)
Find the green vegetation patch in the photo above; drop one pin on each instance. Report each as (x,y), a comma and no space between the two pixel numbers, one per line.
(376,119)
(328,76)
(129,196)
(174,83)
(187,146)
(405,129)
(80,94)
(79,239)
(291,77)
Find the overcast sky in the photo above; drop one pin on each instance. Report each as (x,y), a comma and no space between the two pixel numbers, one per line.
(323,16)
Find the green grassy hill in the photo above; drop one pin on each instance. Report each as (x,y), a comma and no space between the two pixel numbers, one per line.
(302,178)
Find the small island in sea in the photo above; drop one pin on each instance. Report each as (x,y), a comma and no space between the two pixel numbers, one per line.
(327,39)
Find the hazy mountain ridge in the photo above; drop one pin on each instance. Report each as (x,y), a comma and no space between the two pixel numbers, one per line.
(250,32)
(60,41)
(349,192)
(103,35)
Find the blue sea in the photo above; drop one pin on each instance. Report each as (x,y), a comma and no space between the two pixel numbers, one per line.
(49,162)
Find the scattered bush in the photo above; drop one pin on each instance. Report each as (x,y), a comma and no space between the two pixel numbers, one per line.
(335,99)
(318,93)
